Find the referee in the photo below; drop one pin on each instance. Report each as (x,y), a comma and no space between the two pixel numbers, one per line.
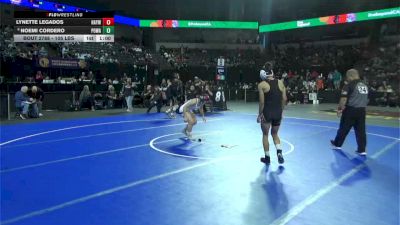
(352,108)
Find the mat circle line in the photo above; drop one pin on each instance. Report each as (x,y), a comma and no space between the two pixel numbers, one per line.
(153,147)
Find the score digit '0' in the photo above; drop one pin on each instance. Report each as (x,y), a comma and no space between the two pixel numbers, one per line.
(108,21)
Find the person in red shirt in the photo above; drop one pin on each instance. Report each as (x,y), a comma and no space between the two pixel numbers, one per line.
(290,74)
(39,77)
(320,84)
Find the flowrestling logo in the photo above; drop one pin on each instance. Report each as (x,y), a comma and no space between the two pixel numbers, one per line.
(199,24)
(387,13)
(301,23)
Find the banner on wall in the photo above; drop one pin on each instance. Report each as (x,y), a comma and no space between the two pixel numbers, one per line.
(61,63)
(198,24)
(331,20)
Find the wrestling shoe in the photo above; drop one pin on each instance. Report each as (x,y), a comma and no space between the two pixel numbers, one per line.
(281,160)
(362,153)
(266,160)
(187,134)
(334,147)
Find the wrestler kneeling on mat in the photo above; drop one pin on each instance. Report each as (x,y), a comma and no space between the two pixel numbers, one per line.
(272,97)
(188,114)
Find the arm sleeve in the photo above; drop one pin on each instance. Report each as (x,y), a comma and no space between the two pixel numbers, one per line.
(18,97)
(345,91)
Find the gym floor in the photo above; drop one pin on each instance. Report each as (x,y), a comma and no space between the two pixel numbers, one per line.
(116,168)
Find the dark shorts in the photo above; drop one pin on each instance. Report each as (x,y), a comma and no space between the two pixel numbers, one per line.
(274,118)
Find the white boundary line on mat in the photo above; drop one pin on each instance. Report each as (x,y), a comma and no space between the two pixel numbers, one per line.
(152,145)
(86,125)
(91,135)
(30,166)
(76,127)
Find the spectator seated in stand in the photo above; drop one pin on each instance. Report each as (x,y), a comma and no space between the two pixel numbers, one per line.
(25,105)
(37,94)
(382,101)
(86,99)
(111,96)
(115,81)
(147,96)
(103,81)
(393,100)
(98,101)
(290,96)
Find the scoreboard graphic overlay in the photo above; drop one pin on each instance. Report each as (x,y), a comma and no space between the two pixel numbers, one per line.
(64,27)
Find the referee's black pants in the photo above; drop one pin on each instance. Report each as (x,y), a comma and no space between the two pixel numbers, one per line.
(155,103)
(352,117)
